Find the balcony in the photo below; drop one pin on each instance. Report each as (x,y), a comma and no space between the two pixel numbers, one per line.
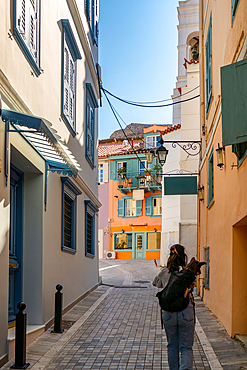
(133,181)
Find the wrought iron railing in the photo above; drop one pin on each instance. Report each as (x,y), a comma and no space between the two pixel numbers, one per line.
(139,180)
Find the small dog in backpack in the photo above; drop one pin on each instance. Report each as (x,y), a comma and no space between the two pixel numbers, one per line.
(194,266)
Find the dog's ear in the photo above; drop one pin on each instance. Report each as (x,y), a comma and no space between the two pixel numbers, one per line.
(192,259)
(199,265)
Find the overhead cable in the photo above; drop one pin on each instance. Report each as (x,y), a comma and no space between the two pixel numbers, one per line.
(145,105)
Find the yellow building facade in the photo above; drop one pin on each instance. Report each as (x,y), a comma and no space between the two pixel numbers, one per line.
(222,209)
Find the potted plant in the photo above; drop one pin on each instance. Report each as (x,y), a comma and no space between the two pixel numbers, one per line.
(147,172)
(121,171)
(157,167)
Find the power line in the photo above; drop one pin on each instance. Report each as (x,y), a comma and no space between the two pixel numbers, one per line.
(151,106)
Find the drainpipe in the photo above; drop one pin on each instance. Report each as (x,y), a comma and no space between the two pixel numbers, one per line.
(202,111)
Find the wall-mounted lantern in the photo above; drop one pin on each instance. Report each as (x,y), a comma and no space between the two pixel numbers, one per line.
(201,193)
(149,157)
(219,152)
(162,152)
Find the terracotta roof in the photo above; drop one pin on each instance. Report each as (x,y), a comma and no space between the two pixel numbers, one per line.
(107,149)
(117,149)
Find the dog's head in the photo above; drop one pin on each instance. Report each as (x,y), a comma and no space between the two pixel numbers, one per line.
(195,266)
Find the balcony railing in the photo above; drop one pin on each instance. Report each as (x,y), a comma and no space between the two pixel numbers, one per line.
(138,180)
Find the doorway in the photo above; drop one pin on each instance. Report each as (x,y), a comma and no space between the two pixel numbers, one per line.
(140,248)
(15,241)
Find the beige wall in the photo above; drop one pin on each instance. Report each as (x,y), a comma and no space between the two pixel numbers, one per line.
(227,243)
(45,265)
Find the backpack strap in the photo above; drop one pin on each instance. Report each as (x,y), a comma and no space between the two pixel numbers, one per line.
(161,316)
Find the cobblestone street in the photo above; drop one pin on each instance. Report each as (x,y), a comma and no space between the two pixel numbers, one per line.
(119,328)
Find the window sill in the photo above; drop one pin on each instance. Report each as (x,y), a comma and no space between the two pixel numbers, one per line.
(89,255)
(155,215)
(69,250)
(26,52)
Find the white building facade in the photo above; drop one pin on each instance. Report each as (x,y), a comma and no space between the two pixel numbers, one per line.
(48,159)
(179,212)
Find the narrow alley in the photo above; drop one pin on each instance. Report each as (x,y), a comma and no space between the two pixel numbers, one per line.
(117,326)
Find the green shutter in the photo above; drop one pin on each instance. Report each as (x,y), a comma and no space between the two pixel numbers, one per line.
(207,269)
(120,207)
(210,178)
(112,170)
(180,185)
(139,207)
(148,206)
(234,103)
(208,51)
(135,172)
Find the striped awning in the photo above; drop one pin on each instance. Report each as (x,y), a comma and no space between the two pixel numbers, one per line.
(43,138)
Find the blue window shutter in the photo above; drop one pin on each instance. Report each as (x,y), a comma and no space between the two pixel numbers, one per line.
(139,207)
(120,207)
(113,170)
(148,206)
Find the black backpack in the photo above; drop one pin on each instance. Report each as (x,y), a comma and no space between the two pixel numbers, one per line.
(171,298)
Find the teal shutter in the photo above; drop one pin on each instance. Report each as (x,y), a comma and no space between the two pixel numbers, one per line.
(148,206)
(135,172)
(208,49)
(120,207)
(210,178)
(139,207)
(129,168)
(234,103)
(112,170)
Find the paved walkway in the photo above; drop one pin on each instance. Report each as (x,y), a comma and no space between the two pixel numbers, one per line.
(119,328)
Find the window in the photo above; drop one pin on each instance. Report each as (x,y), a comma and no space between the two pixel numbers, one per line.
(92,15)
(123,241)
(157,206)
(70,53)
(121,169)
(210,178)
(127,207)
(240,150)
(207,268)
(130,207)
(209,81)
(101,173)
(69,195)
(153,240)
(154,206)
(152,141)
(234,8)
(91,104)
(26,30)
(90,210)
(144,165)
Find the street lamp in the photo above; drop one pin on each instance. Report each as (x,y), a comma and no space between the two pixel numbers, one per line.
(161,152)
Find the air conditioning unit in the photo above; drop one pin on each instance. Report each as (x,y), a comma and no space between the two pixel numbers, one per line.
(110,255)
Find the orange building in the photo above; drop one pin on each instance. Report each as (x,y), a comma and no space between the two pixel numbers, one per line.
(135,199)
(223,167)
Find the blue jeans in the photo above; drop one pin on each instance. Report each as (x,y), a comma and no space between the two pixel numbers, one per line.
(179,327)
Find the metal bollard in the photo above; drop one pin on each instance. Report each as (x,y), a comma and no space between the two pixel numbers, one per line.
(20,338)
(58,310)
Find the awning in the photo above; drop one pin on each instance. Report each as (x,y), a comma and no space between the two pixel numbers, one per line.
(43,138)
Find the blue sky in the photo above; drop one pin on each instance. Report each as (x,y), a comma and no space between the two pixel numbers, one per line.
(138,58)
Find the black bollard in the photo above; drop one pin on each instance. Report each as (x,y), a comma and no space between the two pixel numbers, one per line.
(58,310)
(20,338)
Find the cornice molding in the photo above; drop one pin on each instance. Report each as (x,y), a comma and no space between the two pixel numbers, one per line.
(84,41)
(11,97)
(79,180)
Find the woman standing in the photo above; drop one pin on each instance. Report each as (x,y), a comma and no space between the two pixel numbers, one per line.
(179,326)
